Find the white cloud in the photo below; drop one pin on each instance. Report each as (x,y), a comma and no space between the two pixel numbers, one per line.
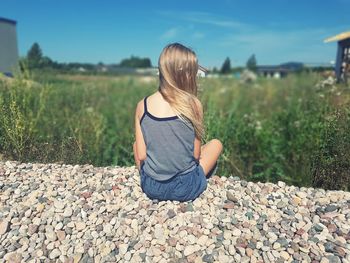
(203,18)
(271,42)
(198,35)
(170,33)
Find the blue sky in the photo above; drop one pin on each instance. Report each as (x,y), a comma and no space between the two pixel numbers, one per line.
(275,31)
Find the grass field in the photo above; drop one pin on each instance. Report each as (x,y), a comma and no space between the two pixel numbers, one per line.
(272,130)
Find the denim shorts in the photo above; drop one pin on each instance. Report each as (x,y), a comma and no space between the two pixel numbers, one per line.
(184,187)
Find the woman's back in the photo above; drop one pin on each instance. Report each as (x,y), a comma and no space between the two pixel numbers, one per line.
(167,150)
(169,140)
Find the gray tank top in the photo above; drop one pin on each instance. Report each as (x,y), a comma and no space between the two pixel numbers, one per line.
(169,146)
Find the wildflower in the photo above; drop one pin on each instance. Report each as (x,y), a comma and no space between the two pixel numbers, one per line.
(223,90)
(258,125)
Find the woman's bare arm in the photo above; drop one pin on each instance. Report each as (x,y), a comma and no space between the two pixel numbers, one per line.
(140,143)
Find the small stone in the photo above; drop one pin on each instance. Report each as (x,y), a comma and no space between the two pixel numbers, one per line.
(284,255)
(236,232)
(77,257)
(296,200)
(40,207)
(202,240)
(71,224)
(276,245)
(230,196)
(39,253)
(189,207)
(171,213)
(340,252)
(332,228)
(197,203)
(13,257)
(229,205)
(134,225)
(231,250)
(123,248)
(55,253)
(36,221)
(32,229)
(189,250)
(294,246)
(281,205)
(318,227)
(249,215)
(302,195)
(99,221)
(283,241)
(86,195)
(59,205)
(4,227)
(264,201)
(127,256)
(59,226)
(80,226)
(68,212)
(249,252)
(172,241)
(208,258)
(333,259)
(107,228)
(330,208)
(61,235)
(50,234)
(281,184)
(223,258)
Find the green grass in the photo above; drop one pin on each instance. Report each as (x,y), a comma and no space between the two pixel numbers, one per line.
(271,130)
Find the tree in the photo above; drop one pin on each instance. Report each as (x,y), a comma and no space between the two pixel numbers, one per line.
(34,56)
(251,63)
(136,62)
(46,62)
(226,66)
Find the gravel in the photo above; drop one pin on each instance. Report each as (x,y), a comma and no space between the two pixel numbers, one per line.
(81,213)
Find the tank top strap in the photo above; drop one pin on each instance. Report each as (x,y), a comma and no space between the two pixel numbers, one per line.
(145,103)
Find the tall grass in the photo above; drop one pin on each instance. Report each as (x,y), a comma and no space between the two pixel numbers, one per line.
(271,130)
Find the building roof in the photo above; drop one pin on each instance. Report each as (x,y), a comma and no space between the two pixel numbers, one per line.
(205,70)
(338,37)
(5,20)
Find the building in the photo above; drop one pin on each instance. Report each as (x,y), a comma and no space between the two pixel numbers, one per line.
(8,46)
(342,64)
(272,71)
(202,71)
(279,71)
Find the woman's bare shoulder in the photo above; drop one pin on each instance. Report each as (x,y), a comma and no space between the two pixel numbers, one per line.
(140,107)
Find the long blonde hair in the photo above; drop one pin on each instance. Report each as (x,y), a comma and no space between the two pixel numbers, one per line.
(178,68)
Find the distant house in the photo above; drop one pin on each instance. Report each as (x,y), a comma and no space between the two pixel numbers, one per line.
(272,71)
(279,71)
(342,65)
(81,69)
(8,46)
(202,71)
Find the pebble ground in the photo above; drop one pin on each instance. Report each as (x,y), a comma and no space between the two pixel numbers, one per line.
(82,213)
